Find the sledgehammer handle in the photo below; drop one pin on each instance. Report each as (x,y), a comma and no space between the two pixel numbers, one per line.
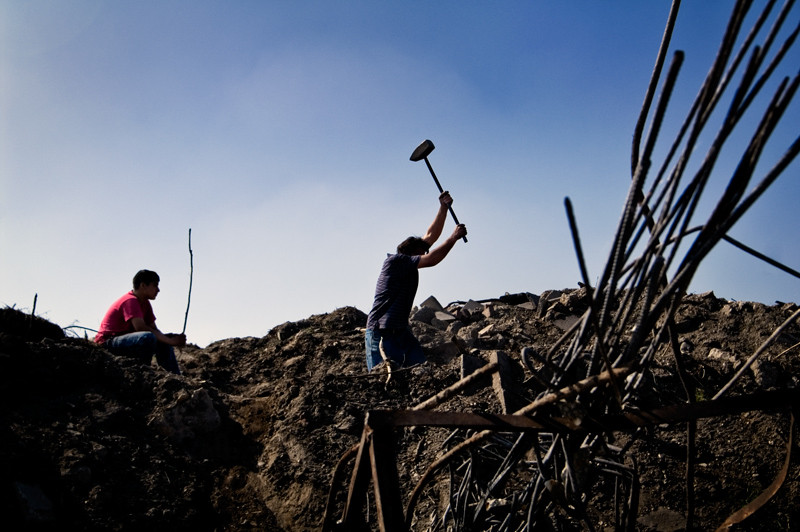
(452,212)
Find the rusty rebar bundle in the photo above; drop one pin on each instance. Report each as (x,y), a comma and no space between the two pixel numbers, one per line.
(535,469)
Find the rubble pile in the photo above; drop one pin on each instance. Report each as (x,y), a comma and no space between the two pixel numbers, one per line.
(247,438)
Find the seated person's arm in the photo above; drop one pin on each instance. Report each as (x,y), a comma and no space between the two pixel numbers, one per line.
(139,325)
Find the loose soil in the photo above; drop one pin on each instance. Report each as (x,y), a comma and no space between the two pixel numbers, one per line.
(248,437)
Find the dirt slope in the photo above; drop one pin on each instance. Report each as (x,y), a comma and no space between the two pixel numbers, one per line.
(248,437)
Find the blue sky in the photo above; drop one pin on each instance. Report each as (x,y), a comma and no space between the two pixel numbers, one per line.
(280,133)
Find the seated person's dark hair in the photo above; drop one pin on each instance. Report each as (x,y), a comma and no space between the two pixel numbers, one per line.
(144,277)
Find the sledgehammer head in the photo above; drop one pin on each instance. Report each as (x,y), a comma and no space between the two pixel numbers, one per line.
(422,151)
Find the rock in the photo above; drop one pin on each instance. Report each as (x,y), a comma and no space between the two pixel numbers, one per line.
(37,507)
(557,310)
(442,320)
(454,327)
(719,354)
(190,416)
(574,300)
(551,295)
(424,315)
(33,328)
(663,520)
(445,350)
(503,383)
(686,347)
(765,373)
(432,303)
(565,323)
(470,311)
(349,425)
(293,361)
(470,363)
(472,307)
(489,311)
(486,331)
(286,330)
(468,335)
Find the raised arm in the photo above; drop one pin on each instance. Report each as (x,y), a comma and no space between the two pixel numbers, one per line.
(435,229)
(438,253)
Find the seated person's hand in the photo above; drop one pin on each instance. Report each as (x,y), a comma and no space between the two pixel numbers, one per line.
(177,340)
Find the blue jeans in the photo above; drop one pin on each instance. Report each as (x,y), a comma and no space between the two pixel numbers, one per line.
(399,345)
(142,346)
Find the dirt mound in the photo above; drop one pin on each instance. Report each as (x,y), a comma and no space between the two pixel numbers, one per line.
(247,438)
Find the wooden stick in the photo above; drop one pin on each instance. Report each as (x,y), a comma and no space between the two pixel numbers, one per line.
(191,274)
(447,393)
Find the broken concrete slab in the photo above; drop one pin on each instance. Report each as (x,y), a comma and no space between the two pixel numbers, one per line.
(472,307)
(551,295)
(489,311)
(765,373)
(470,311)
(441,320)
(454,327)
(566,322)
(550,303)
(433,303)
(503,384)
(444,316)
(424,315)
(445,350)
(470,363)
(468,336)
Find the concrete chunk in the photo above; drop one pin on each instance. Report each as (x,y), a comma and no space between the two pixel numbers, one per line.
(502,383)
(472,306)
(470,363)
(433,303)
(486,331)
(489,311)
(566,322)
(445,316)
(424,315)
(441,320)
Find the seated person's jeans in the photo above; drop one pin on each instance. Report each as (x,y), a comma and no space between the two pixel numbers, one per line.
(399,345)
(142,346)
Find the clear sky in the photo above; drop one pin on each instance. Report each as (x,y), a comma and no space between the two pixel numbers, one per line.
(280,133)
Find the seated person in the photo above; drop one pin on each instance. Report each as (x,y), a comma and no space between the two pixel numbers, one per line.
(129,326)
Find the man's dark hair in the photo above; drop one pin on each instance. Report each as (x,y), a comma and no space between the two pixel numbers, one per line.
(144,277)
(413,245)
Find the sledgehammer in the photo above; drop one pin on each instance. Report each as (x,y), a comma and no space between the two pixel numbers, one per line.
(421,153)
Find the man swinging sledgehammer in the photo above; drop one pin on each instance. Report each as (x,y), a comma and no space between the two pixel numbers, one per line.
(387,323)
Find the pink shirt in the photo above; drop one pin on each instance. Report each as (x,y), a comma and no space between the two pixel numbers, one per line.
(118,318)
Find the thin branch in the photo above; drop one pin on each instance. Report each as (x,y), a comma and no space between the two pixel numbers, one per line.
(191,274)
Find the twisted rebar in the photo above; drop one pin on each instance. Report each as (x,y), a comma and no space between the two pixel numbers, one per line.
(635,291)
(542,479)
